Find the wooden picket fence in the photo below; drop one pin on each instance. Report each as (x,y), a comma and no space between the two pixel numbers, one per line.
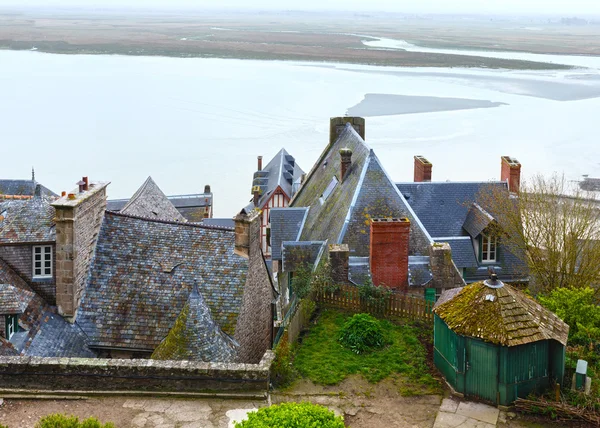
(396,305)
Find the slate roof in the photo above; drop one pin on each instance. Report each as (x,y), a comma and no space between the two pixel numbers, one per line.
(8,207)
(503,316)
(366,192)
(442,207)
(23,188)
(150,202)
(191,207)
(463,253)
(59,338)
(141,274)
(286,225)
(13,300)
(219,222)
(298,254)
(31,222)
(282,171)
(477,220)
(7,349)
(195,335)
(419,270)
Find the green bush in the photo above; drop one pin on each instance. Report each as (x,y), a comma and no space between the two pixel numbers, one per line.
(58,420)
(362,333)
(282,371)
(292,415)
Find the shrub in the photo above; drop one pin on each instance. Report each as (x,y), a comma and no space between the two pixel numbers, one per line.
(58,420)
(282,371)
(373,296)
(362,333)
(292,415)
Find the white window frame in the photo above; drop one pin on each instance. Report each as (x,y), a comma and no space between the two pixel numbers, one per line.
(10,326)
(46,264)
(489,246)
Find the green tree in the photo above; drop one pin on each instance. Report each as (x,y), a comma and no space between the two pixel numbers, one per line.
(292,415)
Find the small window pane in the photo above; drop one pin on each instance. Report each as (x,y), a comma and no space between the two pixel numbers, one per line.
(47,271)
(47,256)
(38,272)
(38,250)
(38,264)
(47,250)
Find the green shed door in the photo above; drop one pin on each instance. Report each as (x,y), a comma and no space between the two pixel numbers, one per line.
(481,377)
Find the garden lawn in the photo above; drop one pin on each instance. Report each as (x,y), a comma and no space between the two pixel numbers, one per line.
(322,359)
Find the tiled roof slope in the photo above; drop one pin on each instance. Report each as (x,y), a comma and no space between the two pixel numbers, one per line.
(325,221)
(32,221)
(507,318)
(22,187)
(141,274)
(150,202)
(463,253)
(477,220)
(13,300)
(191,207)
(219,222)
(195,336)
(378,197)
(59,338)
(7,349)
(442,206)
(281,171)
(286,224)
(301,254)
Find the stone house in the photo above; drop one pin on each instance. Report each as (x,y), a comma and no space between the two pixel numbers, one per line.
(273,187)
(122,282)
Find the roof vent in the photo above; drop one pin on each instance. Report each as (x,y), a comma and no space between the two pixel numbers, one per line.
(490,297)
(493,282)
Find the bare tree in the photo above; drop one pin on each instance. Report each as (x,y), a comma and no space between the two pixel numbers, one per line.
(553,226)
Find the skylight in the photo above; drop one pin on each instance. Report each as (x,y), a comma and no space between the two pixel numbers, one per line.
(329,190)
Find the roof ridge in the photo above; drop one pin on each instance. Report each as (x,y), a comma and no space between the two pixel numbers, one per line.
(155,220)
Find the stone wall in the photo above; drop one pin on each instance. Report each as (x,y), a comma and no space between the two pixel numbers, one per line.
(254,327)
(20,259)
(98,375)
(78,223)
(444,272)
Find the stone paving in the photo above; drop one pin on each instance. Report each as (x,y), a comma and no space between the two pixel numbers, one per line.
(454,413)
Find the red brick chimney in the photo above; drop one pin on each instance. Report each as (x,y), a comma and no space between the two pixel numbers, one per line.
(259,158)
(346,155)
(511,172)
(389,252)
(422,169)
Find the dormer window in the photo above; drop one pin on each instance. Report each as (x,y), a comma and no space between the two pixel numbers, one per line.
(42,261)
(488,248)
(11,325)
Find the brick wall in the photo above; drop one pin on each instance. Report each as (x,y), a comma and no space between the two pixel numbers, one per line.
(19,258)
(97,375)
(511,171)
(255,321)
(78,223)
(389,252)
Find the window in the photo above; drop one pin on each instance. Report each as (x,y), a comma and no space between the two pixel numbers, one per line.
(42,261)
(12,325)
(488,248)
(328,190)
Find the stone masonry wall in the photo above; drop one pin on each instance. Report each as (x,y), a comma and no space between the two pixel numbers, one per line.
(77,228)
(19,258)
(98,375)
(255,321)
(444,272)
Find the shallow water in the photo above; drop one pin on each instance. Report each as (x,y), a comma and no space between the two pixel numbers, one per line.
(191,122)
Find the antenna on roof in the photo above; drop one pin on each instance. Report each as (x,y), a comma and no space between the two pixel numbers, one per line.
(32,174)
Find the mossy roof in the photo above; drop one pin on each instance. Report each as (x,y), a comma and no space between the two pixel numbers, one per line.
(503,316)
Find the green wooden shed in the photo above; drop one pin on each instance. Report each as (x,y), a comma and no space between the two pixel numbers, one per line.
(494,343)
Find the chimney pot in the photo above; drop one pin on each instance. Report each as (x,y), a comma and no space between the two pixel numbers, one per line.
(388,253)
(207,189)
(511,173)
(346,163)
(86,186)
(422,169)
(259,158)
(71,196)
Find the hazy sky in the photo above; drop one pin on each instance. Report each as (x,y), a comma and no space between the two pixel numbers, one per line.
(563,7)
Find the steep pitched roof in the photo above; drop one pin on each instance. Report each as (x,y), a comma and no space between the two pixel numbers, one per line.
(191,207)
(477,220)
(32,221)
(150,202)
(341,212)
(140,279)
(13,300)
(442,207)
(286,225)
(503,316)
(195,335)
(281,171)
(56,337)
(23,188)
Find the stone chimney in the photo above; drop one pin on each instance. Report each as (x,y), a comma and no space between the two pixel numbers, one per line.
(422,169)
(256,195)
(346,155)
(443,270)
(338,124)
(259,166)
(247,233)
(338,257)
(388,255)
(511,172)
(78,219)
